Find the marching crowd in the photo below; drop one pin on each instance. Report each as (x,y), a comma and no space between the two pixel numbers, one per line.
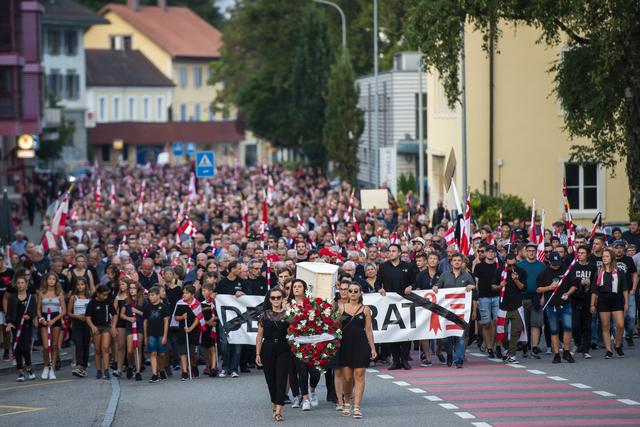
(135,263)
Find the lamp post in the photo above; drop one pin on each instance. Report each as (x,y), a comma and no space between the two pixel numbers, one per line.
(420,135)
(342,17)
(375,86)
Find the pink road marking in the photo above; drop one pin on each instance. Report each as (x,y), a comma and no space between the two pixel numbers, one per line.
(475,380)
(451,373)
(558,413)
(541,404)
(578,422)
(512,396)
(502,387)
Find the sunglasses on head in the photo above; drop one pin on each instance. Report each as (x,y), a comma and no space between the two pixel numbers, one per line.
(275,298)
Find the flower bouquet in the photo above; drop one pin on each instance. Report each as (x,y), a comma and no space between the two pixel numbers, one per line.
(314,331)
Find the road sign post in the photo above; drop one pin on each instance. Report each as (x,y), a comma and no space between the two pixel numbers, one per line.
(205,164)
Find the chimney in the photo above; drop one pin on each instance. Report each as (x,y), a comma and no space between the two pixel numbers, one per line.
(134,4)
(162,4)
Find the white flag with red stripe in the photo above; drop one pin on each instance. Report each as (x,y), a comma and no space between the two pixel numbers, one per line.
(358,235)
(98,193)
(187,228)
(193,193)
(59,221)
(114,197)
(540,238)
(465,229)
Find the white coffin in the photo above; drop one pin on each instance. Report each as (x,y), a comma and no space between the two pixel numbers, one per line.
(321,278)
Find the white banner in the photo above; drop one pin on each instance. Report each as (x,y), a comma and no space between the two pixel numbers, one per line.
(395,318)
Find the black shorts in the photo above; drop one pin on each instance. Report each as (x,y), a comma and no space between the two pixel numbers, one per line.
(57,324)
(182,349)
(206,341)
(609,302)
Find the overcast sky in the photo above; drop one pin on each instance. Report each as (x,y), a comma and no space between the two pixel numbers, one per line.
(224,4)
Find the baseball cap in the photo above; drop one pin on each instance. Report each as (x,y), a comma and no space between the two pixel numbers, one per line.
(531,245)
(490,248)
(555,259)
(620,243)
(419,240)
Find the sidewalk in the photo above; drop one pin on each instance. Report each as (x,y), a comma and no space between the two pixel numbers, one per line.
(36,360)
(33,232)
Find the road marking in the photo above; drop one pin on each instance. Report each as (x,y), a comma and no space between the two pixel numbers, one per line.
(448,406)
(433,398)
(604,393)
(517,366)
(371,371)
(401,383)
(482,424)
(579,385)
(536,372)
(496,360)
(416,390)
(385,377)
(35,385)
(557,378)
(19,410)
(110,413)
(465,415)
(478,354)
(628,402)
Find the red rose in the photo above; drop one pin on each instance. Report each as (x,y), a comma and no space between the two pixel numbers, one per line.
(308,307)
(323,362)
(319,300)
(308,347)
(329,322)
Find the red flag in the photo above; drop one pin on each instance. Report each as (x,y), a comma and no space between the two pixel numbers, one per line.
(358,235)
(465,230)
(98,194)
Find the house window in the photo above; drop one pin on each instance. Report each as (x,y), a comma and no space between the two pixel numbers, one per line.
(106,153)
(121,42)
(53,42)
(55,84)
(131,109)
(116,108)
(196,113)
(582,186)
(73,85)
(102,109)
(183,112)
(182,72)
(197,76)
(145,109)
(160,108)
(71,43)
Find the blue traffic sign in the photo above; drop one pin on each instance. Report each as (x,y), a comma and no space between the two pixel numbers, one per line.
(205,164)
(191,148)
(177,149)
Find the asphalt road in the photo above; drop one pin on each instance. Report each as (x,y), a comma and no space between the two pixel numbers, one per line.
(484,393)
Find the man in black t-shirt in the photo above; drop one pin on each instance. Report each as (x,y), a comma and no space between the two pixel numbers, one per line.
(626,264)
(514,283)
(487,277)
(557,295)
(231,353)
(583,277)
(256,283)
(188,332)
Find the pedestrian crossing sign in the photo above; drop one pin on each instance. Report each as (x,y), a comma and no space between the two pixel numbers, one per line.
(205,164)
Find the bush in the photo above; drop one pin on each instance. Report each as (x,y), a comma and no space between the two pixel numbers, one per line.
(407,183)
(486,209)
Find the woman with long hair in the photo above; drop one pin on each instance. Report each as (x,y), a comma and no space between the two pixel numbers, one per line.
(21,310)
(357,348)
(101,318)
(120,340)
(130,313)
(80,332)
(308,377)
(80,270)
(50,310)
(272,349)
(610,298)
(370,276)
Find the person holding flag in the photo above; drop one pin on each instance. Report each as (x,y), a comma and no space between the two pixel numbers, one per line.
(533,315)
(132,314)
(21,310)
(557,291)
(186,316)
(512,284)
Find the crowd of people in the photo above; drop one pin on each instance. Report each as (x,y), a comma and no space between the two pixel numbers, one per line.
(145,249)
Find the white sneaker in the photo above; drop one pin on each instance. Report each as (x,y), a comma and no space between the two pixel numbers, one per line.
(548,350)
(222,374)
(45,373)
(295,403)
(52,374)
(31,375)
(20,378)
(587,356)
(234,374)
(306,405)
(313,399)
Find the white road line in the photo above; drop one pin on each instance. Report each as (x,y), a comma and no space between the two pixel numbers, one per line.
(578,385)
(557,378)
(513,365)
(448,406)
(385,377)
(416,390)
(371,371)
(481,424)
(496,360)
(604,393)
(433,398)
(401,383)
(536,372)
(465,415)
(478,354)
(628,402)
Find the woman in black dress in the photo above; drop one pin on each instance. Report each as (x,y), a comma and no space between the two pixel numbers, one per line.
(357,348)
(272,350)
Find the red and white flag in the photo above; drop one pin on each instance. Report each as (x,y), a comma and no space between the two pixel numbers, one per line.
(358,235)
(271,189)
(196,308)
(540,238)
(98,193)
(59,221)
(193,192)
(465,229)
(187,228)
(450,236)
(532,226)
(301,227)
(141,198)
(347,214)
(114,197)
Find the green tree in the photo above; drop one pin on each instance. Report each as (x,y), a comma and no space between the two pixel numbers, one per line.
(596,80)
(486,209)
(344,121)
(311,68)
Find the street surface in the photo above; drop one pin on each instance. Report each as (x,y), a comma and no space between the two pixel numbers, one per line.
(593,392)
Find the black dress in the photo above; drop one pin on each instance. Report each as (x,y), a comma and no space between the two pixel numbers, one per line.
(354,349)
(275,354)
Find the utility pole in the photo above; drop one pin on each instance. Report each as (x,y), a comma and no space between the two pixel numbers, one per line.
(376,141)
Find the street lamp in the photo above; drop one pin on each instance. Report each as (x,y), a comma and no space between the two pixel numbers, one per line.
(344,20)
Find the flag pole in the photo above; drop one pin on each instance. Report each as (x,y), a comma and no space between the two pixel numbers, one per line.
(188,352)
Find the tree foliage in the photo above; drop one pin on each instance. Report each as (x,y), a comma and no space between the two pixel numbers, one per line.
(344,121)
(311,67)
(596,80)
(486,208)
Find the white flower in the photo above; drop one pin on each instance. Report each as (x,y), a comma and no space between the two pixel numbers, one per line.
(327,312)
(303,322)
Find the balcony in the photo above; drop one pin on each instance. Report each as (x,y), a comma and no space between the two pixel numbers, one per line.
(52,117)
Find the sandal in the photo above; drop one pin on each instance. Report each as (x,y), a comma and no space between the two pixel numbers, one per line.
(356,412)
(278,417)
(346,409)
(339,407)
